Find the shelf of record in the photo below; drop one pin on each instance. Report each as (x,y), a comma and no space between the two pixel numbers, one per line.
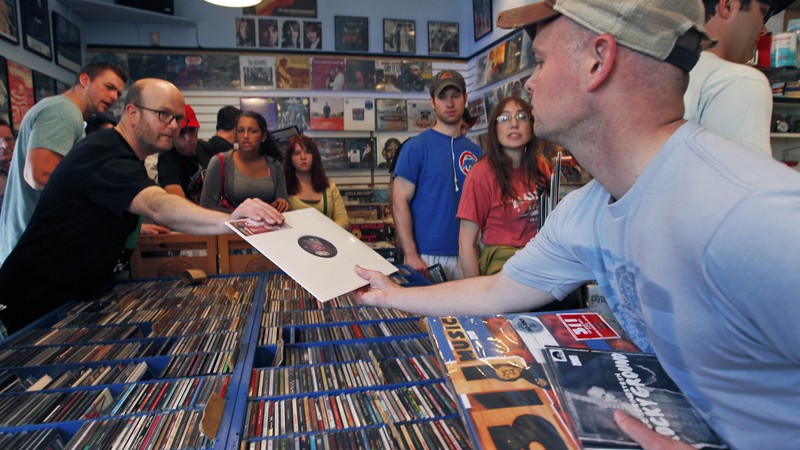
(245,361)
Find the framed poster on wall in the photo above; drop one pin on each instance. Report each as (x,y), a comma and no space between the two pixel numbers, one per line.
(5,102)
(482,17)
(351,33)
(443,38)
(9,29)
(43,86)
(67,41)
(20,91)
(399,36)
(36,27)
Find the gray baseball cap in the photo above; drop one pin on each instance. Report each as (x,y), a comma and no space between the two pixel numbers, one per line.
(667,30)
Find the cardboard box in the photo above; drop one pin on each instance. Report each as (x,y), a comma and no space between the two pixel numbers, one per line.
(168,255)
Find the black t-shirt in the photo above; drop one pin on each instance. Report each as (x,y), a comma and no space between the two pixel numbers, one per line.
(75,238)
(174,168)
(187,171)
(216,145)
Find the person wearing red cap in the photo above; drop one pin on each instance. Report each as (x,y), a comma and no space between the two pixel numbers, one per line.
(181,170)
(691,237)
(726,95)
(92,204)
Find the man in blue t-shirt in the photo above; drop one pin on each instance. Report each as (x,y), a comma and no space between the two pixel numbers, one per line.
(428,178)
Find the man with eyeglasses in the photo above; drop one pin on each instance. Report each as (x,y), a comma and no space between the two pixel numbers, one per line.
(726,95)
(93,202)
(47,133)
(428,178)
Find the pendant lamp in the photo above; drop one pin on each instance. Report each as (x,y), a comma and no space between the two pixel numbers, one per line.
(234,3)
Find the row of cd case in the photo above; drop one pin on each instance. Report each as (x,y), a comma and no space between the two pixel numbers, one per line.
(161,351)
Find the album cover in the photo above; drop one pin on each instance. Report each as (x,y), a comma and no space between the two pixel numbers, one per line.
(387,75)
(420,115)
(526,59)
(20,91)
(258,72)
(513,88)
(360,152)
(266,106)
(415,76)
(144,65)
(327,113)
(327,74)
(359,114)
(391,114)
(293,111)
(388,147)
(360,74)
(292,72)
(477,109)
(512,59)
(491,97)
(221,71)
(497,59)
(314,251)
(497,366)
(185,71)
(333,153)
(43,86)
(594,383)
(482,70)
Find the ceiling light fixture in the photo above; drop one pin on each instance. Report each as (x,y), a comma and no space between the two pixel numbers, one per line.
(234,3)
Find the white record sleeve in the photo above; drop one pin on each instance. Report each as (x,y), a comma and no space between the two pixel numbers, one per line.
(314,251)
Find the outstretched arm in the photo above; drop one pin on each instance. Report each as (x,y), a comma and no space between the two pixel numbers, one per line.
(494,294)
(182,215)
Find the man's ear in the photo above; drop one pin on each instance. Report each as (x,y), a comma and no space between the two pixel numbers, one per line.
(604,55)
(725,9)
(83,80)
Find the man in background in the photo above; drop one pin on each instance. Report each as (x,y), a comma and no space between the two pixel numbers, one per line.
(428,178)
(181,170)
(47,133)
(6,151)
(225,136)
(93,203)
(725,95)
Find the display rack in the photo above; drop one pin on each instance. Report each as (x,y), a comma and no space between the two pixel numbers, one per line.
(152,355)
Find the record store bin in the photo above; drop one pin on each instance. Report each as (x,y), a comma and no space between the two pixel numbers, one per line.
(236,362)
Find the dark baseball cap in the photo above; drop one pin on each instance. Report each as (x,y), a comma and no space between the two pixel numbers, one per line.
(776,6)
(445,79)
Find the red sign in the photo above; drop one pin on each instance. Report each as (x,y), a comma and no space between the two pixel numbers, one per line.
(585,326)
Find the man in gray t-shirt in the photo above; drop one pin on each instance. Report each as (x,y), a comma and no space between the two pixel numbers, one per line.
(47,133)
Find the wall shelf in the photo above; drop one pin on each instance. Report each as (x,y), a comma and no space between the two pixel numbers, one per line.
(109,12)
